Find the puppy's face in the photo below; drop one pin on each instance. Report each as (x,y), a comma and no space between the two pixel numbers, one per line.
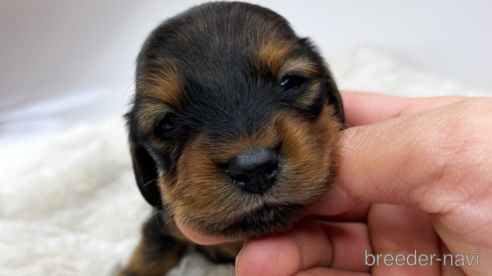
(235,121)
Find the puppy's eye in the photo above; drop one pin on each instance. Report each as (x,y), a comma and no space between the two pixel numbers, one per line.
(291,83)
(166,125)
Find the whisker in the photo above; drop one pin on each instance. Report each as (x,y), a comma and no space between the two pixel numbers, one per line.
(157,211)
(151,181)
(169,220)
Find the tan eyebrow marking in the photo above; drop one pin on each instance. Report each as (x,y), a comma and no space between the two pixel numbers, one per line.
(308,68)
(299,64)
(147,114)
(162,82)
(273,53)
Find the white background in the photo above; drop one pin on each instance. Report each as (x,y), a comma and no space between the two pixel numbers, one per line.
(77,57)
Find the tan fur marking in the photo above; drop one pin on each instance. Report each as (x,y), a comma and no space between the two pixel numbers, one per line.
(147,115)
(273,53)
(310,157)
(299,64)
(163,83)
(309,96)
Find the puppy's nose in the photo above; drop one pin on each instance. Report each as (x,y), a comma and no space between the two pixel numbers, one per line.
(255,170)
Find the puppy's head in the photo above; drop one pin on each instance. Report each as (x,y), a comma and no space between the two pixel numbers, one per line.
(235,121)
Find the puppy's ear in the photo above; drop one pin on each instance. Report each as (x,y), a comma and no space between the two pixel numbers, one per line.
(334,98)
(146,174)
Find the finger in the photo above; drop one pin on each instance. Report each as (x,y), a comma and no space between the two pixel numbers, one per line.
(405,239)
(447,269)
(432,160)
(310,244)
(322,271)
(335,202)
(378,161)
(356,214)
(368,108)
(398,161)
(350,242)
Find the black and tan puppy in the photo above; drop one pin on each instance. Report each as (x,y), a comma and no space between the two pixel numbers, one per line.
(233,128)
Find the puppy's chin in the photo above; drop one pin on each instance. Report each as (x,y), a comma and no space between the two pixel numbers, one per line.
(248,216)
(265,221)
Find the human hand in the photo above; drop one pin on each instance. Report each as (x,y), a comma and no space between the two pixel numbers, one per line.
(416,174)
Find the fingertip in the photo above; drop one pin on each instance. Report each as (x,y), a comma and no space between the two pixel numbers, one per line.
(363,108)
(347,96)
(334,202)
(269,256)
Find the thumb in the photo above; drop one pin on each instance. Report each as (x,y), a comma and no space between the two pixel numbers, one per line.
(405,160)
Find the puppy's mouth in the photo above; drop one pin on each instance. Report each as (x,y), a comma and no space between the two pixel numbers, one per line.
(268,220)
(253,210)
(257,199)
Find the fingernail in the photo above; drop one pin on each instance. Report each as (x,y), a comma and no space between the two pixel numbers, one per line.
(235,262)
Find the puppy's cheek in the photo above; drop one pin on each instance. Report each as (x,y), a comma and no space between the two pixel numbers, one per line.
(308,157)
(304,165)
(201,191)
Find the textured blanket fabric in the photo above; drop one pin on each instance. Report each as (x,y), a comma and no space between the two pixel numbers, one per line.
(69,204)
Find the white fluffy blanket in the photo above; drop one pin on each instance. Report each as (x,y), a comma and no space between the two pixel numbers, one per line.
(69,204)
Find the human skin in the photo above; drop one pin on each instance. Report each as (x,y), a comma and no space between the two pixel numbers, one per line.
(415,174)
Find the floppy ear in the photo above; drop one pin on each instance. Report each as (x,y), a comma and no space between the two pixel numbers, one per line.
(334,98)
(145,170)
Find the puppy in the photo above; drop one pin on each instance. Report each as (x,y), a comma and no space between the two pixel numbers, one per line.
(233,128)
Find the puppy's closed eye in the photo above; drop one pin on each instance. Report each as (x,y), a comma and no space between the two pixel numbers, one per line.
(167,126)
(234,124)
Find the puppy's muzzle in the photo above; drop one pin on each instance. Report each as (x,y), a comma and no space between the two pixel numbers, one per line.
(254,171)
